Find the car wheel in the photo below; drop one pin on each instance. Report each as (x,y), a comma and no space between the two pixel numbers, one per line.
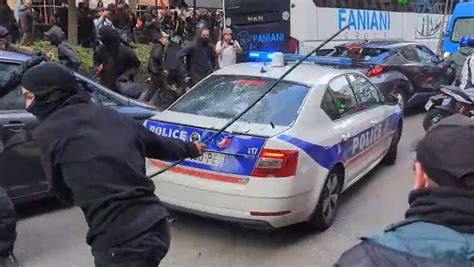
(402,98)
(326,209)
(434,116)
(392,153)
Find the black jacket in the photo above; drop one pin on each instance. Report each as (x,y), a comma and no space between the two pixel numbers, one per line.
(95,157)
(66,54)
(6,17)
(200,59)
(156,60)
(124,61)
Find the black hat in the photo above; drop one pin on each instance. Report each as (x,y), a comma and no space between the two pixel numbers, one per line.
(447,152)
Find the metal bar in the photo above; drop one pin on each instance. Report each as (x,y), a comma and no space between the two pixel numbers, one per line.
(259,99)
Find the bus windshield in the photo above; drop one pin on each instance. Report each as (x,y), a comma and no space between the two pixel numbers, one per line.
(462,27)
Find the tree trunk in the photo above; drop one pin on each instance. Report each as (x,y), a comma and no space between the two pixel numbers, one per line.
(133,6)
(72,21)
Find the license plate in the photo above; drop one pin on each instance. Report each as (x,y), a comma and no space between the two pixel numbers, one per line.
(446,101)
(428,105)
(210,158)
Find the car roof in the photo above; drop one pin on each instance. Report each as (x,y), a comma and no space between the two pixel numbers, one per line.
(4,55)
(306,73)
(380,44)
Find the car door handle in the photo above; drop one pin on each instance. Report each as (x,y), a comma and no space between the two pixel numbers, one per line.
(345,137)
(15,127)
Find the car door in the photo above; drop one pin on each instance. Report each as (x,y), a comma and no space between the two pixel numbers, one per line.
(413,68)
(340,103)
(435,74)
(369,98)
(20,167)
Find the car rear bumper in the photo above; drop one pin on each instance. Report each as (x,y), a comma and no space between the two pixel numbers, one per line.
(255,212)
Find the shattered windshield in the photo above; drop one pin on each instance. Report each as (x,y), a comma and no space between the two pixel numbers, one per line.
(226,96)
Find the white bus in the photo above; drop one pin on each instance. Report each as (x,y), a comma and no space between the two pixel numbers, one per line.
(301,25)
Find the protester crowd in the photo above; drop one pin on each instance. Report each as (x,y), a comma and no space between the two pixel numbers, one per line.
(186,45)
(438,228)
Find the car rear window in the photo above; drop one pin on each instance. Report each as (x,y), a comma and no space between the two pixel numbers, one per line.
(226,96)
(374,55)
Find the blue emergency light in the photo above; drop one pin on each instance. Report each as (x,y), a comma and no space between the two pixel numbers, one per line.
(268,56)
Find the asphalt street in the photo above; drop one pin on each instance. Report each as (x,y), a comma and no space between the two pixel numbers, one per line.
(51,235)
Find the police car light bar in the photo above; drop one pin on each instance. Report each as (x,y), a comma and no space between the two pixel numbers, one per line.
(268,56)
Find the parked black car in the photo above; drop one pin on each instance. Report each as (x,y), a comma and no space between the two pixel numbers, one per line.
(411,71)
(20,168)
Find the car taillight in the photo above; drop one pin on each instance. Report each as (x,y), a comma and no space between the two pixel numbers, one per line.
(375,71)
(293,46)
(274,163)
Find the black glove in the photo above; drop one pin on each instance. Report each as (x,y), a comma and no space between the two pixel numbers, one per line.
(33,61)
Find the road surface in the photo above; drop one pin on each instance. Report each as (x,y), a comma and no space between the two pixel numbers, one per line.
(49,235)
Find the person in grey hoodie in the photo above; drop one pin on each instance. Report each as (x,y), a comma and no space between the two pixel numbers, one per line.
(26,19)
(66,54)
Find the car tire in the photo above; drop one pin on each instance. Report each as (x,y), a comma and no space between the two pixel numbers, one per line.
(402,97)
(434,116)
(392,153)
(326,208)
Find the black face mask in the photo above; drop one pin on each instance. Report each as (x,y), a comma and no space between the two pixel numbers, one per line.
(43,110)
(204,41)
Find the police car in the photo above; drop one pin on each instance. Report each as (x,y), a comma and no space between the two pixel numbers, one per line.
(290,157)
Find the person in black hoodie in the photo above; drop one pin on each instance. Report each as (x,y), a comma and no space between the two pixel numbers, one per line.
(66,54)
(116,61)
(102,172)
(8,217)
(200,57)
(159,92)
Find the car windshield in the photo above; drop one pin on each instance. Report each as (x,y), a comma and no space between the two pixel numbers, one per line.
(463,27)
(363,53)
(226,96)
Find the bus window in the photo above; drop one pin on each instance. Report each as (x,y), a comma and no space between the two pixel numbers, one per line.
(433,7)
(462,27)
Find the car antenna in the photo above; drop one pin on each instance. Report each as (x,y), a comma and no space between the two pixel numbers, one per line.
(274,84)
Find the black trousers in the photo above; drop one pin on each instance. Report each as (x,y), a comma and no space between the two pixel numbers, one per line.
(146,250)
(7,224)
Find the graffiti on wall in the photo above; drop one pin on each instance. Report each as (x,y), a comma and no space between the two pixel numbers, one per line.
(429,20)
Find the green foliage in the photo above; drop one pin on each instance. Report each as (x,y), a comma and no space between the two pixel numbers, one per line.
(404,2)
(87,61)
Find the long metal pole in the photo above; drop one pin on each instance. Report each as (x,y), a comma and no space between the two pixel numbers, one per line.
(442,30)
(259,99)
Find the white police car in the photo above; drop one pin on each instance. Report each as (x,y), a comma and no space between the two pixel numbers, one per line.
(290,157)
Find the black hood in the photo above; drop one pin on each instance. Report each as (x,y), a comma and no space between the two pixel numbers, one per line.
(55,35)
(54,86)
(109,36)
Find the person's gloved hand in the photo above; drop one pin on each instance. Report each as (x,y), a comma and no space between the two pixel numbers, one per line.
(33,61)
